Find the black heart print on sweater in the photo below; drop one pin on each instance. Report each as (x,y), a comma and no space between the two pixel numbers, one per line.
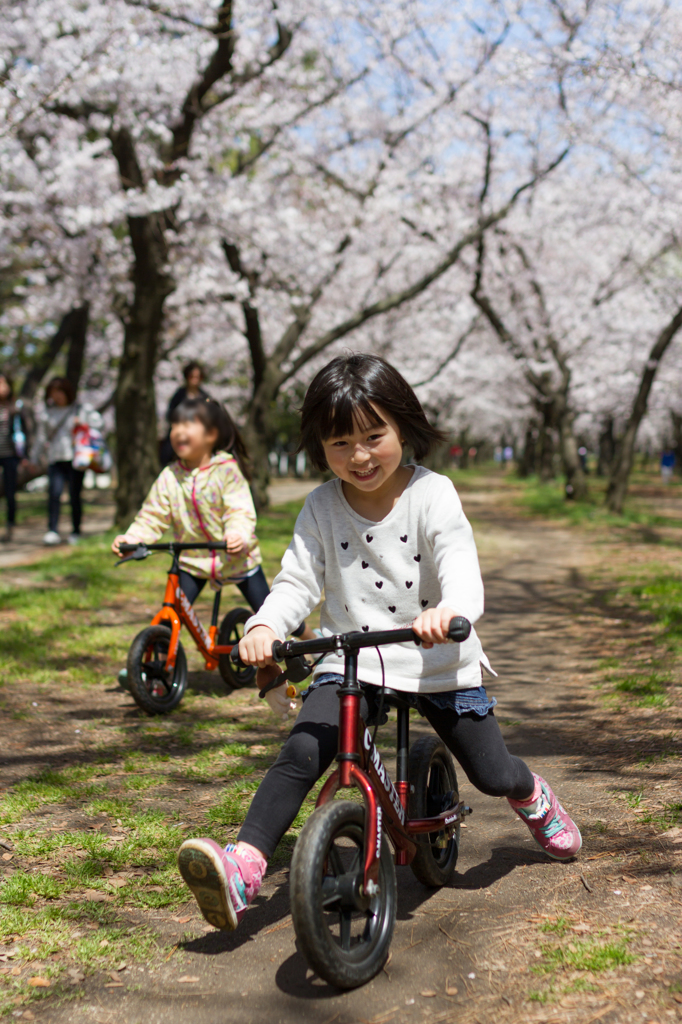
(344,544)
(408,583)
(379,583)
(370,538)
(365,565)
(417,558)
(404,539)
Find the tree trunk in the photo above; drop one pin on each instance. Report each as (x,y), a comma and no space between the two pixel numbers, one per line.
(618,484)
(546,442)
(526,465)
(137,453)
(607,448)
(677,440)
(576,484)
(79,338)
(70,326)
(258,433)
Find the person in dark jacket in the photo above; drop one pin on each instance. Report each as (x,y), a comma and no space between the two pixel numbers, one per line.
(194,378)
(13,442)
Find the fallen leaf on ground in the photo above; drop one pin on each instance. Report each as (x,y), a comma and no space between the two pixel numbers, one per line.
(114,984)
(118,882)
(182,920)
(451,990)
(104,942)
(94,896)
(122,966)
(428,992)
(188,979)
(582,927)
(629,879)
(15,971)
(37,982)
(155,888)
(114,976)
(677,996)
(7,856)
(29,1015)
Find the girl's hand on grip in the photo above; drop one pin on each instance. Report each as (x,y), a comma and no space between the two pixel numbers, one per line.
(121,539)
(256,648)
(234,542)
(432,626)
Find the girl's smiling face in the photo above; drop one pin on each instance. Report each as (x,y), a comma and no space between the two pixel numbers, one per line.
(192,442)
(369,457)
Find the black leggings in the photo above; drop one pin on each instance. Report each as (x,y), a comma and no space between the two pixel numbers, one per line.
(254,588)
(312,744)
(9,469)
(59,475)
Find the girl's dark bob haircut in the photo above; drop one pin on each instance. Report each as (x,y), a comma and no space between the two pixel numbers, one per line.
(62,384)
(345,393)
(214,416)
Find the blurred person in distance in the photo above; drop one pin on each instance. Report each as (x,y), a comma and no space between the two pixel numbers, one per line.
(13,441)
(194,376)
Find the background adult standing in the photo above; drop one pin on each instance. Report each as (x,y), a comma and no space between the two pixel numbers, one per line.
(194,376)
(54,443)
(13,444)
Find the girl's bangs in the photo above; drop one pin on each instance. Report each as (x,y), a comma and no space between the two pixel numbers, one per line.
(346,413)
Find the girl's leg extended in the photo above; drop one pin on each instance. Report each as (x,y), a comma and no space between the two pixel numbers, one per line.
(307,753)
(478,745)
(225,881)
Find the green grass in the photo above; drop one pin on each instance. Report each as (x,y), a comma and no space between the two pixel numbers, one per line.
(584,955)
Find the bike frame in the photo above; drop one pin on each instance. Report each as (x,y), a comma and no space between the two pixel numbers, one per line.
(176,611)
(361,767)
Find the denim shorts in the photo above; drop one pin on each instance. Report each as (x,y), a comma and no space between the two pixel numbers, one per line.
(462,702)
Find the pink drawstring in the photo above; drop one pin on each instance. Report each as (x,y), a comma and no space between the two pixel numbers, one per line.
(201,521)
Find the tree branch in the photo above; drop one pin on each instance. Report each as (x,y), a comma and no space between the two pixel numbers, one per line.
(453,354)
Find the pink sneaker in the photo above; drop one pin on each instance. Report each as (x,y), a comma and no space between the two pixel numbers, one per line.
(223,882)
(551,827)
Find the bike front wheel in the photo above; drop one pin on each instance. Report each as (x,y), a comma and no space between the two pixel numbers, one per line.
(156,690)
(344,935)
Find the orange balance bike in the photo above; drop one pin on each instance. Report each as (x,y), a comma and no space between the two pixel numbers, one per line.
(157,665)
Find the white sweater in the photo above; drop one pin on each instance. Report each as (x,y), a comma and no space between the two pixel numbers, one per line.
(381,576)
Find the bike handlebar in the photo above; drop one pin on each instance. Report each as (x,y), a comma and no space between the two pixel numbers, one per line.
(173,546)
(459,630)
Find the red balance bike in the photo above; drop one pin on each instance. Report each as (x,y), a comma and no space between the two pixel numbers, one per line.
(342,881)
(157,666)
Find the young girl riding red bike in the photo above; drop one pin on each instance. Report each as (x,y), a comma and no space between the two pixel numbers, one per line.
(388,545)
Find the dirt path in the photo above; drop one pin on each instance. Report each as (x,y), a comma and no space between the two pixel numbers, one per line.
(490,932)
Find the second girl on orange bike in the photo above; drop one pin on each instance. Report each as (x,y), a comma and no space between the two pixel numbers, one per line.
(205,496)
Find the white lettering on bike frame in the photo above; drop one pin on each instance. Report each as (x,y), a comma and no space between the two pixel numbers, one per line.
(375,759)
(380,815)
(191,615)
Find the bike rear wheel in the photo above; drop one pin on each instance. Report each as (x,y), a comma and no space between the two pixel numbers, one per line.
(236,677)
(433,788)
(156,690)
(344,935)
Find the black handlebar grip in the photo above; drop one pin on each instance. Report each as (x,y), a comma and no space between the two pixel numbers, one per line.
(277,650)
(459,629)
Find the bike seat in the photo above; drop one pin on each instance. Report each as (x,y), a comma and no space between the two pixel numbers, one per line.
(394,698)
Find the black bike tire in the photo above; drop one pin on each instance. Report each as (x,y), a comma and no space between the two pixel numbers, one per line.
(233,677)
(305,886)
(431,868)
(138,690)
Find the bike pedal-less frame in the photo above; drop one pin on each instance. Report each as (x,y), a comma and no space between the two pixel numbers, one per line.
(176,610)
(359,762)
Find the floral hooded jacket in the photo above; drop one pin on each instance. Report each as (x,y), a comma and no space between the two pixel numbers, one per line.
(202,504)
